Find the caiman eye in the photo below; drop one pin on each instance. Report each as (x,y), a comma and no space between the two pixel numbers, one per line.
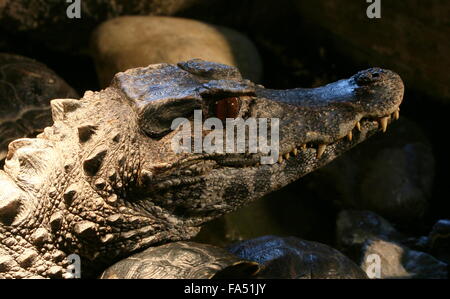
(157,118)
(227,108)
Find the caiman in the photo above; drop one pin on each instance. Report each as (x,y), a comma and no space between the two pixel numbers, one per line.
(103,181)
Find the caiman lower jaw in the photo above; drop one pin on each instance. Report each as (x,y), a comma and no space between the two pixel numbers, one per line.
(360,126)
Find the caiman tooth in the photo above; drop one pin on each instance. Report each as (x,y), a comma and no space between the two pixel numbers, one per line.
(62,106)
(280,159)
(85,132)
(295,151)
(303,146)
(287,156)
(320,150)
(358,126)
(93,163)
(383,123)
(350,136)
(396,114)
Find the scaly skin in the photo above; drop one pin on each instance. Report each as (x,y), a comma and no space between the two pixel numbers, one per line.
(103,181)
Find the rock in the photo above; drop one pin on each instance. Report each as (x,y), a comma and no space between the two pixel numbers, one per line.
(293,258)
(439,240)
(391,174)
(26,88)
(397,261)
(354,228)
(129,42)
(420,50)
(380,249)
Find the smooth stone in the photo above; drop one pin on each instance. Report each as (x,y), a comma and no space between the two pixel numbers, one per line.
(354,228)
(397,261)
(374,243)
(135,41)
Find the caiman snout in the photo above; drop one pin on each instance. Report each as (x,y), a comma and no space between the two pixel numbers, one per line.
(379,90)
(373,75)
(324,115)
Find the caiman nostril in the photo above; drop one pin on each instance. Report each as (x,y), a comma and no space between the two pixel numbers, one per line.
(368,76)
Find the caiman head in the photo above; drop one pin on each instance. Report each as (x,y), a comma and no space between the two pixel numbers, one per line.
(106,179)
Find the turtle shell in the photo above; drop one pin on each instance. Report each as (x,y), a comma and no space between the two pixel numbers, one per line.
(26,88)
(294,258)
(183,260)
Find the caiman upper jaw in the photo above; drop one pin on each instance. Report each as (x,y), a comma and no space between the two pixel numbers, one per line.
(318,117)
